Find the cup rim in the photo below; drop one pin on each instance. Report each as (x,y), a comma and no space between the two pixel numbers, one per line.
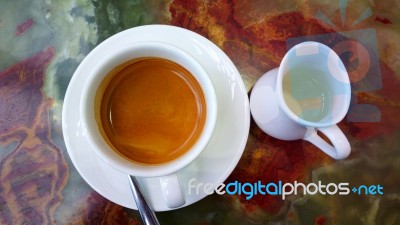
(344,78)
(138,50)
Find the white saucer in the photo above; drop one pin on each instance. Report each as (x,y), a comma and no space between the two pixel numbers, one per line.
(215,163)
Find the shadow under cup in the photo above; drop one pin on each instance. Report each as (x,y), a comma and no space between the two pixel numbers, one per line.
(149,96)
(314,87)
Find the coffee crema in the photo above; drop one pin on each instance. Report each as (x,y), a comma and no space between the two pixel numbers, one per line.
(150,110)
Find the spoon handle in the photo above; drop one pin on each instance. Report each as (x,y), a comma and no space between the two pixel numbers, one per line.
(147,214)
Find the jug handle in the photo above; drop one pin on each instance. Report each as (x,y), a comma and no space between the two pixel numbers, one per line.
(340,147)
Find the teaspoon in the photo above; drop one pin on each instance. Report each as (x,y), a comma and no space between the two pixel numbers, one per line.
(146,213)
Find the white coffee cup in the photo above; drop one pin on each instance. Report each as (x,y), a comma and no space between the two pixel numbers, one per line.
(309,92)
(167,172)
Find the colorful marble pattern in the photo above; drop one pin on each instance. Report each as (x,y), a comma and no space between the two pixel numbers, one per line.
(42,43)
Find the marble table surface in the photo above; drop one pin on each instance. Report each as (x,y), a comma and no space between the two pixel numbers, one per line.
(43,42)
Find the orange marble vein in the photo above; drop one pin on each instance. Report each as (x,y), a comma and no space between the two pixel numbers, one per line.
(34,172)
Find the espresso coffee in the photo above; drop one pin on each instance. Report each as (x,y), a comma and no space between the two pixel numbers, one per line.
(150,110)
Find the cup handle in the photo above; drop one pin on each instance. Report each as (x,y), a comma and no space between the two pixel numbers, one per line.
(341,146)
(172,191)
